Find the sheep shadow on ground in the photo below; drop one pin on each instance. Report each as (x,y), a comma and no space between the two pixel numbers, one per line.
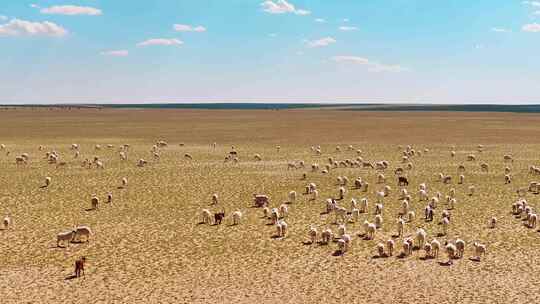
(394,236)
(401,256)
(307,243)
(440,234)
(71,277)
(475,259)
(447,263)
(426,258)
(89,209)
(275,237)
(379,256)
(338,253)
(44,186)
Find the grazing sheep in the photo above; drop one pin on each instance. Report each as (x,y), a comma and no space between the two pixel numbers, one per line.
(341,192)
(378,221)
(342,246)
(423,195)
(315,195)
(404,207)
(434,202)
(142,163)
(460,248)
(471,190)
(274,215)
(266,212)
(452,203)
(380,196)
(282,229)
(95,202)
(342,230)
(471,157)
(6,222)
(292,196)
(493,223)
(124,182)
(507,179)
(428,213)
(284,210)
(479,250)
(381,179)
(407,247)
(188,156)
(390,245)
(364,205)
(435,246)
(366,186)
(64,237)
(214,199)
(326,236)
(445,223)
(82,231)
(355,214)
(380,250)
(507,170)
(257,157)
(461,179)
(421,236)
(411,216)
(508,158)
(313,233)
(378,209)
(47,181)
(341,214)
(236,217)
(400,227)
(451,252)
(427,248)
(206,216)
(531,221)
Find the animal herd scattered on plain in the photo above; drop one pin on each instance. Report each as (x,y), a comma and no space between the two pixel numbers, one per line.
(409,196)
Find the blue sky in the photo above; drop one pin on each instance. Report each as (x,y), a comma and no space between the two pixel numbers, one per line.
(99,51)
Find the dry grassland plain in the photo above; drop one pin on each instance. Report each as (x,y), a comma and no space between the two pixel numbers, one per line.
(148,247)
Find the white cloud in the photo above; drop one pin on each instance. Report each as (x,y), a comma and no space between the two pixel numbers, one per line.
(348,28)
(3,18)
(116,53)
(532,3)
(34,5)
(500,30)
(188,28)
(71,10)
(282,7)
(160,41)
(537,13)
(320,20)
(345,20)
(533,27)
(17,27)
(272,35)
(321,42)
(372,66)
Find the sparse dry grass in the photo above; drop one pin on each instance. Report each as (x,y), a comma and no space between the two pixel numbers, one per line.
(148,246)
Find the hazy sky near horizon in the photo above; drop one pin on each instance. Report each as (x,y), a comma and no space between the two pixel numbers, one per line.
(398,51)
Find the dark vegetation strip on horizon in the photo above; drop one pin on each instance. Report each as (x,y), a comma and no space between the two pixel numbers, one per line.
(284,106)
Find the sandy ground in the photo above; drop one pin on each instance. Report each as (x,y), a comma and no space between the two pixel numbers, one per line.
(148,245)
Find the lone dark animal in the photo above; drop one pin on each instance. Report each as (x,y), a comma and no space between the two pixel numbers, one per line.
(403,181)
(218,217)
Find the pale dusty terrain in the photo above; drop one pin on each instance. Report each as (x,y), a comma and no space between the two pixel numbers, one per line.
(148,247)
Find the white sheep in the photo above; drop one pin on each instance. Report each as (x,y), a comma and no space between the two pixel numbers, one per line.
(355,215)
(400,227)
(215,198)
(65,237)
(532,219)
(461,179)
(460,248)
(451,252)
(428,248)
(236,217)
(407,246)
(124,182)
(471,190)
(435,246)
(445,223)
(370,230)
(274,215)
(206,216)
(378,221)
(313,233)
(341,214)
(421,236)
(479,250)
(381,179)
(341,192)
(82,231)
(364,205)
(326,236)
(292,196)
(342,229)
(411,216)
(314,195)
(378,209)
(284,210)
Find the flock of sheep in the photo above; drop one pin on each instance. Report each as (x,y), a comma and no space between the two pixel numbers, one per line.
(336,206)
(419,239)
